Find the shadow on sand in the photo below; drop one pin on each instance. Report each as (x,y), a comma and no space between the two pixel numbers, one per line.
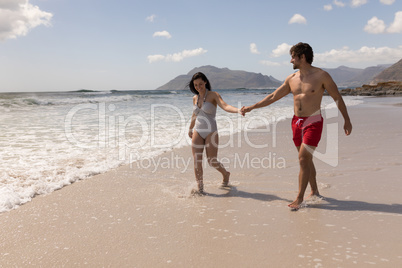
(327,204)
(232,191)
(350,205)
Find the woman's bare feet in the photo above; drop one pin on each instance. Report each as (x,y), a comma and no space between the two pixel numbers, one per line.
(200,190)
(295,205)
(200,187)
(315,199)
(313,193)
(226,179)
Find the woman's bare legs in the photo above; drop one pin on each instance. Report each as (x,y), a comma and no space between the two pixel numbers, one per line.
(211,145)
(198,144)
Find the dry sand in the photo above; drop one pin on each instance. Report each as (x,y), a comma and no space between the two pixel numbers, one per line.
(142,216)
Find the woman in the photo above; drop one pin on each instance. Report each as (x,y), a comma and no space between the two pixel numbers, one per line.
(203,130)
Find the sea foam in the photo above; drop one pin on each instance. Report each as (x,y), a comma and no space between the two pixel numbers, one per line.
(50,140)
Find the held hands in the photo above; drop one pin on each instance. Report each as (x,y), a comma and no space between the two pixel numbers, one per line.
(245,110)
(240,111)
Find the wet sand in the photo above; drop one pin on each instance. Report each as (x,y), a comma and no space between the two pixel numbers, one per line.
(143,215)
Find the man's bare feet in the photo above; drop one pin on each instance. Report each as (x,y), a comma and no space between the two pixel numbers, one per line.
(200,186)
(226,179)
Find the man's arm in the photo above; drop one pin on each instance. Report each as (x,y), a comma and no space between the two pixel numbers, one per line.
(278,94)
(333,91)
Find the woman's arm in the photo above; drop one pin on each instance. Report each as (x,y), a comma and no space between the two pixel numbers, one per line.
(190,130)
(193,117)
(226,107)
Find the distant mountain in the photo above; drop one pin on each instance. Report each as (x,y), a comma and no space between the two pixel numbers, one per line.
(393,73)
(366,75)
(343,74)
(352,77)
(224,78)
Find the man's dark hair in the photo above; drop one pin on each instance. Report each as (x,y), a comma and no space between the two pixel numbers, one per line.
(303,49)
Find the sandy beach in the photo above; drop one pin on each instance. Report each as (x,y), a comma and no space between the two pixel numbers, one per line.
(144,215)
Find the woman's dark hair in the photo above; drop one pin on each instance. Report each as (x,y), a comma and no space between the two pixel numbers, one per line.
(195,77)
(303,49)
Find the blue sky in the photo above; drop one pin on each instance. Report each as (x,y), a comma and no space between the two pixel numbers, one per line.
(63,45)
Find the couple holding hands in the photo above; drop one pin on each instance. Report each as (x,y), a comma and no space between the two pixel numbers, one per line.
(307,86)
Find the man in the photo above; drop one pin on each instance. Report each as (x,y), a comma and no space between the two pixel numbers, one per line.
(307,86)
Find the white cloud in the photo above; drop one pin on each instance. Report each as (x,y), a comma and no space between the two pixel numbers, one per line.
(176,57)
(17,17)
(269,63)
(387,2)
(343,56)
(328,7)
(253,48)
(357,3)
(282,49)
(339,3)
(353,3)
(375,26)
(155,58)
(162,34)
(364,54)
(151,18)
(396,26)
(297,18)
(11,4)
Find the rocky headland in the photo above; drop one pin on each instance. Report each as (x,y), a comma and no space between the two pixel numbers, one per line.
(391,88)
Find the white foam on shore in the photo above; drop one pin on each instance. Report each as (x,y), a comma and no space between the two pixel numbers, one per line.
(39,155)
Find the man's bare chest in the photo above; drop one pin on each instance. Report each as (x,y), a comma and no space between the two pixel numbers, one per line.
(298,86)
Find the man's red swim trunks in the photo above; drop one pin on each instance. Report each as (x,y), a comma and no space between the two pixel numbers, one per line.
(307,130)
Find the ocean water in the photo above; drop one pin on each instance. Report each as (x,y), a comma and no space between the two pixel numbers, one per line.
(50,140)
